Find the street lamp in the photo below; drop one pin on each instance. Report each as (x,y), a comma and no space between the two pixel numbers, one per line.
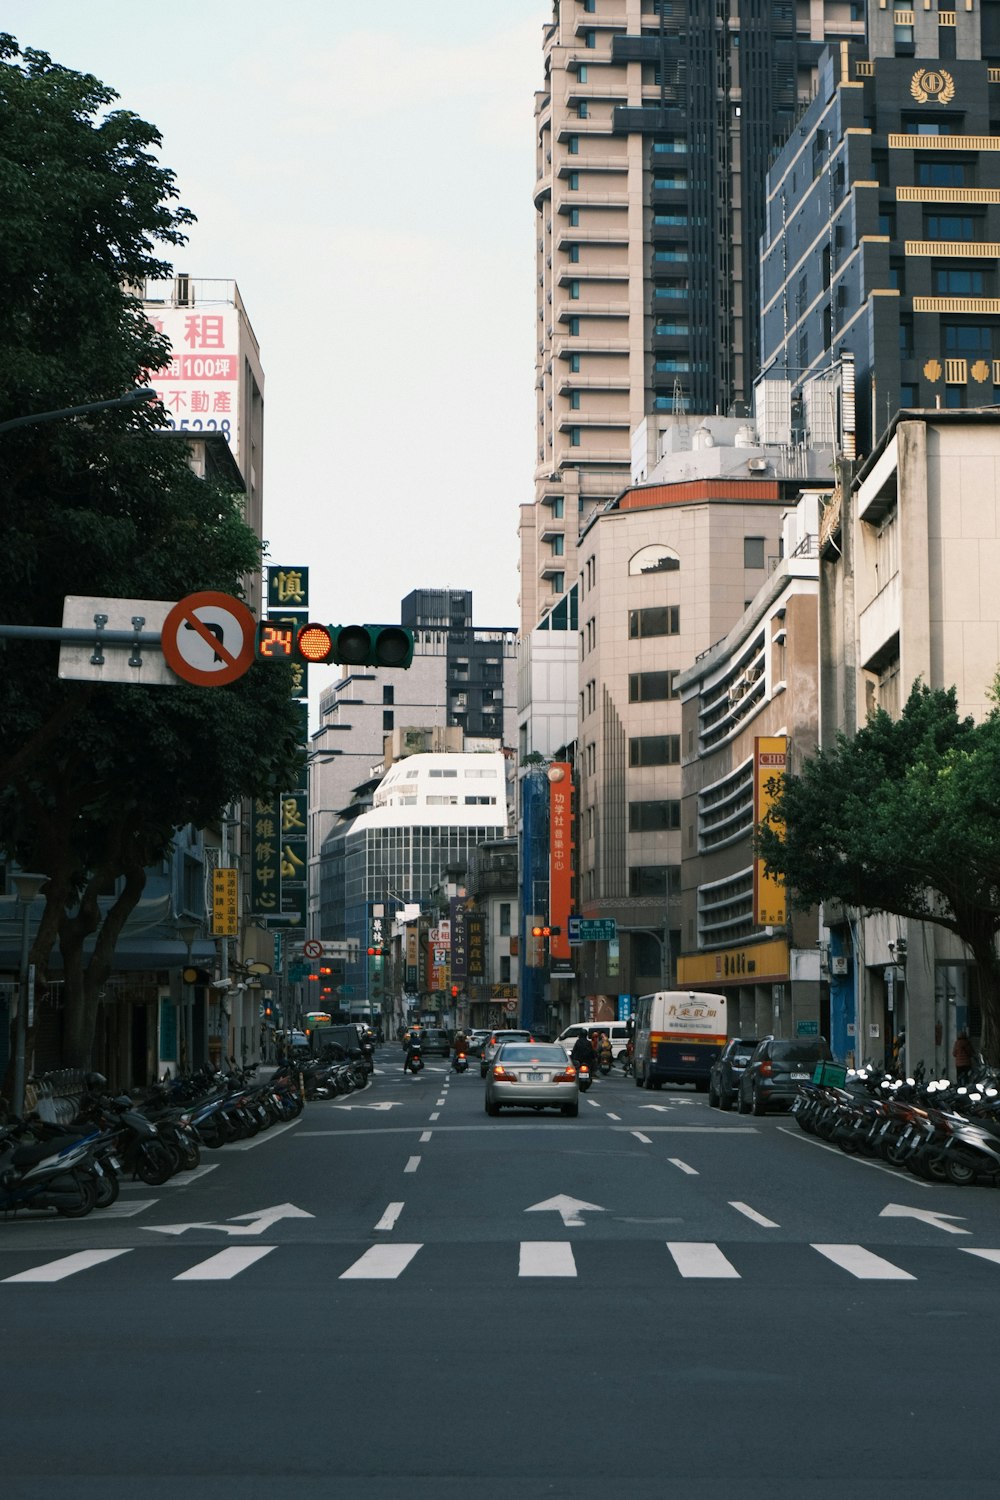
(137,397)
(27,888)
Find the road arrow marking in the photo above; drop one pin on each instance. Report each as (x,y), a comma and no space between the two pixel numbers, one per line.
(569,1209)
(663,1108)
(925,1215)
(383,1104)
(254,1223)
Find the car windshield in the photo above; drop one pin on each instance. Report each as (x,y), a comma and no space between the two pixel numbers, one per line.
(740,1058)
(511,1036)
(519,1053)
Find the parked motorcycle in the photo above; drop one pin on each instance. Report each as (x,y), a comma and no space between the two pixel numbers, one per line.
(56,1173)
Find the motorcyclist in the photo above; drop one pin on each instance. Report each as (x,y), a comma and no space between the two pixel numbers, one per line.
(605,1056)
(583,1052)
(412,1048)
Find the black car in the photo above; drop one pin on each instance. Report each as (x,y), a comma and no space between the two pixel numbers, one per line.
(727,1070)
(777,1067)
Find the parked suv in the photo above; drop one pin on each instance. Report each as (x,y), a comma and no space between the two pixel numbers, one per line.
(777,1067)
(727,1070)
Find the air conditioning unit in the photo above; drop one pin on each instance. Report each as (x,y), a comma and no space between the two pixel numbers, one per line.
(758,465)
(838,965)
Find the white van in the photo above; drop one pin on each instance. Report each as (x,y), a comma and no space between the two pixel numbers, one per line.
(618,1034)
(678,1036)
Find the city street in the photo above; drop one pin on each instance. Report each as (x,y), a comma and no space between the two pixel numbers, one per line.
(396,1295)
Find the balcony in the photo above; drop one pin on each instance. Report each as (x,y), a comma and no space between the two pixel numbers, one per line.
(589,271)
(578,309)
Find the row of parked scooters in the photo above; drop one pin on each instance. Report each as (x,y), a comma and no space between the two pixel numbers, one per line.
(938,1130)
(77,1167)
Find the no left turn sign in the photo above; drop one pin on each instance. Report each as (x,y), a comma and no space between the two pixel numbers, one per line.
(209,639)
(312,949)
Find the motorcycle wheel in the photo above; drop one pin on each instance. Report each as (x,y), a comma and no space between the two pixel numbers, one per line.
(958,1173)
(88,1199)
(190,1155)
(106,1188)
(153,1164)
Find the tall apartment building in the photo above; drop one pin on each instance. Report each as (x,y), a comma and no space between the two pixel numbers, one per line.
(883,217)
(654,130)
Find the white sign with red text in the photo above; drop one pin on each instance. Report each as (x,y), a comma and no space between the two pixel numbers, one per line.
(200,386)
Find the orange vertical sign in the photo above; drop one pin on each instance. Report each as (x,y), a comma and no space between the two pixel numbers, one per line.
(770,757)
(561,847)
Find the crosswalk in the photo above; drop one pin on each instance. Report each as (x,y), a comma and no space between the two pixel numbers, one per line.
(527,1260)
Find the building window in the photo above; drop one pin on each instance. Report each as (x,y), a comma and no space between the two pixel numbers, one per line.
(909,395)
(654,880)
(590,38)
(654,817)
(574,364)
(574,400)
(574,253)
(581,73)
(558,546)
(388,693)
(659,620)
(573,145)
(651,687)
(582,110)
(574,182)
(505,968)
(753,551)
(574,327)
(574,218)
(505,919)
(968,338)
(558,582)
(654,750)
(958,281)
(574,291)
(943,173)
(574,437)
(558,508)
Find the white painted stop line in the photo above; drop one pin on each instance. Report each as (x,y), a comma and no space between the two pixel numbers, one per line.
(863,1264)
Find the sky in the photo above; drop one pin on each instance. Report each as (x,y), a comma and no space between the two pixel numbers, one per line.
(364,172)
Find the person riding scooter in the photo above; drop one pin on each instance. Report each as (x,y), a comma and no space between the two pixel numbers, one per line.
(413,1061)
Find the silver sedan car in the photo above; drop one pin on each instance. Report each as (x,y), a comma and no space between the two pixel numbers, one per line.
(532,1075)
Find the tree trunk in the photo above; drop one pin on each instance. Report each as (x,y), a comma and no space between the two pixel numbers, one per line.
(984,951)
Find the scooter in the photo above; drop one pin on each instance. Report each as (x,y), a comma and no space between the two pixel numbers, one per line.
(414,1062)
(584,1076)
(460,1063)
(46,1174)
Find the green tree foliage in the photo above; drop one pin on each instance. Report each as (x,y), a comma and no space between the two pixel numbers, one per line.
(95,779)
(905,818)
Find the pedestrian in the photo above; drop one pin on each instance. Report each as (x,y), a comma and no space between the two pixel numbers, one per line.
(962,1053)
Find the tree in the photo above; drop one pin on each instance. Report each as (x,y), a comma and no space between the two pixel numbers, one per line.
(905,818)
(96,779)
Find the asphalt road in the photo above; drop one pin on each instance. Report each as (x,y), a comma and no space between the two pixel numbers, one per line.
(396,1296)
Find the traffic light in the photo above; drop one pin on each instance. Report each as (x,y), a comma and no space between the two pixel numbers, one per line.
(454,992)
(544,932)
(349,645)
(374,952)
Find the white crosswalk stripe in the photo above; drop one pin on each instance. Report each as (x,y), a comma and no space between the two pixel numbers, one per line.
(546,1258)
(67,1265)
(226,1264)
(863,1264)
(381,1263)
(701,1260)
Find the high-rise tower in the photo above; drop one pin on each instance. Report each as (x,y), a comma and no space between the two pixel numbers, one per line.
(655,127)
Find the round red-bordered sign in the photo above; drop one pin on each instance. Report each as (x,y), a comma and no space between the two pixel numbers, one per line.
(312,948)
(209,639)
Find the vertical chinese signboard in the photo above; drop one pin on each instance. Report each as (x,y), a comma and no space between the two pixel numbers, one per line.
(225,903)
(459,941)
(265,856)
(439,957)
(200,385)
(475,948)
(770,757)
(560,856)
(288,600)
(412,954)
